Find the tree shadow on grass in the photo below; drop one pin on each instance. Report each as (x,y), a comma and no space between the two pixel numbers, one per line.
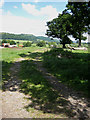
(43,96)
(70,68)
(67,68)
(10,80)
(5,74)
(33,55)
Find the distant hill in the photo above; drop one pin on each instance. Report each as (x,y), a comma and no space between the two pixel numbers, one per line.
(46,39)
(28,37)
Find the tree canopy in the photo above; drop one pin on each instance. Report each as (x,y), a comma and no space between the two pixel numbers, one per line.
(80,19)
(59,28)
(74,21)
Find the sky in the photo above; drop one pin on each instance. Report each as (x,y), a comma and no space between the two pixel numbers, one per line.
(28,17)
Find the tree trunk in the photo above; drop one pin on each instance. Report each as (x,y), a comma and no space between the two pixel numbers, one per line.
(64,45)
(79,40)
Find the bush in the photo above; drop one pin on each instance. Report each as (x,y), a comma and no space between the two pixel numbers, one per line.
(4,41)
(52,44)
(27,44)
(41,43)
(12,42)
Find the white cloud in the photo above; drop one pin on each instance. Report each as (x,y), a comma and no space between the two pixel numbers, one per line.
(16,24)
(36,1)
(15,6)
(1,3)
(1,11)
(8,13)
(47,11)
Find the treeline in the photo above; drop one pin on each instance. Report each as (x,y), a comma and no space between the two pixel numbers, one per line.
(18,36)
(28,37)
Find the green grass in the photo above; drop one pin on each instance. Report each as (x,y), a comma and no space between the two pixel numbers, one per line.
(44,98)
(71,68)
(34,83)
(11,54)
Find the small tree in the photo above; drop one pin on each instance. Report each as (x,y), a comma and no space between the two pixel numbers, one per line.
(27,44)
(18,44)
(41,43)
(52,44)
(4,41)
(12,42)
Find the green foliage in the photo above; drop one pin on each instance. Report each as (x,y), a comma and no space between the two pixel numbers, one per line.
(73,21)
(18,44)
(76,45)
(80,19)
(4,41)
(52,44)
(23,37)
(12,42)
(27,44)
(59,28)
(41,43)
(18,36)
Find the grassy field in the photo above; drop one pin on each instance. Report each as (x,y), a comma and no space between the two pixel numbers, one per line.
(70,67)
(10,55)
(45,100)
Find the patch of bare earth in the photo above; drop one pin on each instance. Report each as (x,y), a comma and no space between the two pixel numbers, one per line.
(12,100)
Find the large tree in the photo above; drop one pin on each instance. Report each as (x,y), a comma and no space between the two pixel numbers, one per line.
(80,19)
(59,28)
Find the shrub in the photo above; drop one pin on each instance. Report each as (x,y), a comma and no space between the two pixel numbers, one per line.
(4,41)
(12,42)
(27,44)
(52,44)
(41,43)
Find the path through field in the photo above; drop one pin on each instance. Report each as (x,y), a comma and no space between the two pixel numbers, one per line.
(14,101)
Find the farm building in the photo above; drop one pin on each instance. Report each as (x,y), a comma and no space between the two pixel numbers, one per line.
(20,45)
(8,45)
(5,44)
